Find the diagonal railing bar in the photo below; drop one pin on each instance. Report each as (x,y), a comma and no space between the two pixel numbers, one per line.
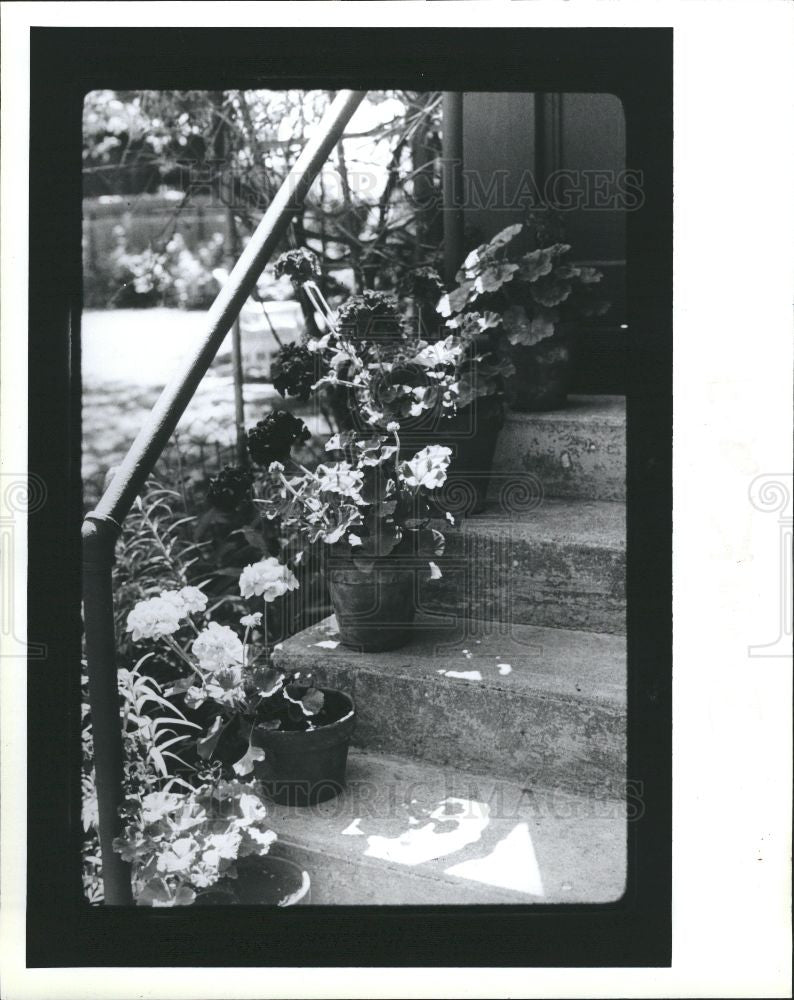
(102,526)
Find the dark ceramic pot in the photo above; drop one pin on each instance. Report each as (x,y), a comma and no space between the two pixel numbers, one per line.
(374,610)
(472,434)
(542,377)
(303,767)
(266,881)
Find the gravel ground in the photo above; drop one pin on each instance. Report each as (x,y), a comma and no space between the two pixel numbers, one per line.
(128,355)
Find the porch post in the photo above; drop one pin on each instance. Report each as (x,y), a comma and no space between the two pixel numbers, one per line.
(452,159)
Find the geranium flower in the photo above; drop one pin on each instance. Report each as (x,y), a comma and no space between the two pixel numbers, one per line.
(194,599)
(178,856)
(428,467)
(341,478)
(272,439)
(443,352)
(370,316)
(154,618)
(226,685)
(217,647)
(300,265)
(268,578)
(251,621)
(229,487)
(295,370)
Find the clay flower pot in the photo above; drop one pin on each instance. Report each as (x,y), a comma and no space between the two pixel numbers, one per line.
(306,766)
(542,377)
(374,609)
(266,881)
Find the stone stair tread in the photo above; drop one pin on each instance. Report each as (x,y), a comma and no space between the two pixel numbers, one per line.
(559,521)
(579,665)
(578,451)
(580,410)
(405,831)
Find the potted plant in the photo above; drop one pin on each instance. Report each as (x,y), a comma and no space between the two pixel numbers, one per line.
(533,295)
(375,371)
(206,846)
(371,510)
(292,735)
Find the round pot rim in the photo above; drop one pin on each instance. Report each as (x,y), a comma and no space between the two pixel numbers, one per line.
(323,736)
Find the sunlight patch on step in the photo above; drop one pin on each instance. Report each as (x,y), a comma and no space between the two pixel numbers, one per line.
(327,644)
(456,823)
(353,830)
(512,864)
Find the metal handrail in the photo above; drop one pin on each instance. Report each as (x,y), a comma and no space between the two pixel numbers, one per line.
(101,527)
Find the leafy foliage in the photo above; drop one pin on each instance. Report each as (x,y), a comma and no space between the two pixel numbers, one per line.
(180,845)
(527,291)
(374,211)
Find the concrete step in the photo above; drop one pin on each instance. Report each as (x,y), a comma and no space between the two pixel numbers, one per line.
(561,564)
(407,832)
(545,706)
(577,452)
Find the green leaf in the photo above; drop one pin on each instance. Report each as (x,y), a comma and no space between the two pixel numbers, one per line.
(155,891)
(245,764)
(182,685)
(255,539)
(267,680)
(312,701)
(551,291)
(206,746)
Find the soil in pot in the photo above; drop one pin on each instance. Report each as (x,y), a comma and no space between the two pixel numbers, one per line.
(306,766)
(542,377)
(266,881)
(374,608)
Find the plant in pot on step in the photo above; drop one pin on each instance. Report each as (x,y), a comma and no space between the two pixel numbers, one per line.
(530,291)
(376,371)
(292,736)
(209,845)
(370,508)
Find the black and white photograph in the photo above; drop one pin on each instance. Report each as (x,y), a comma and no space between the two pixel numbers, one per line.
(350,497)
(369,599)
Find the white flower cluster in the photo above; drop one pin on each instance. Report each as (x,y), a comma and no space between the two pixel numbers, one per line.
(428,467)
(442,352)
(268,579)
(217,647)
(341,478)
(164,615)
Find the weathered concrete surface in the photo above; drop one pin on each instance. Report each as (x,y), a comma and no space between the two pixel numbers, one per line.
(545,706)
(578,452)
(416,833)
(562,564)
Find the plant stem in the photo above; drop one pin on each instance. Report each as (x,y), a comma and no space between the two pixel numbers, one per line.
(264,631)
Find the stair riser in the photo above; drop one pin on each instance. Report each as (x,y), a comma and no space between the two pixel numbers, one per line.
(579,459)
(503,579)
(338,881)
(539,739)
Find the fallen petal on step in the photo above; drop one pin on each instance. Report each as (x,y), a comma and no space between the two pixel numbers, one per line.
(462,675)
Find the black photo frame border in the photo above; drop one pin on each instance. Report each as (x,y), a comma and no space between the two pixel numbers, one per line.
(65,63)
